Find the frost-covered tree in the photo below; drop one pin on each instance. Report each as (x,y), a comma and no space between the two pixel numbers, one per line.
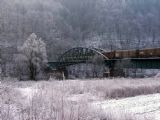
(35,51)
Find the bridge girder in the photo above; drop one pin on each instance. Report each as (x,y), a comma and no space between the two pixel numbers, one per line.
(81,54)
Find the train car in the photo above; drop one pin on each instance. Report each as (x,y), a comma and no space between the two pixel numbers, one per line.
(109,55)
(146,53)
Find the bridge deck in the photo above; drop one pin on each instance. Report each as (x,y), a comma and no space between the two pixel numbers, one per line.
(143,63)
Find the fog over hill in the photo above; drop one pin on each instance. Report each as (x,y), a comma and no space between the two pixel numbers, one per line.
(63,24)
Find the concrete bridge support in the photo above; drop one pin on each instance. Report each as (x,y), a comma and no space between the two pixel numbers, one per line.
(115,70)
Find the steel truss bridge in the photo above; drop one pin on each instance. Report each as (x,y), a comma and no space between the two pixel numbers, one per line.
(144,59)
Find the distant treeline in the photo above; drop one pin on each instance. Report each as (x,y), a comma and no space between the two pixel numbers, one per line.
(108,24)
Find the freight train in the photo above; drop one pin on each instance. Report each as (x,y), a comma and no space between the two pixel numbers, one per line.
(145,53)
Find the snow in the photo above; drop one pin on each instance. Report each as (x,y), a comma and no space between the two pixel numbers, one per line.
(88,97)
(86,94)
(27,92)
(145,106)
(158,75)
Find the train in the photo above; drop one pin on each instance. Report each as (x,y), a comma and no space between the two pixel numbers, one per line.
(139,53)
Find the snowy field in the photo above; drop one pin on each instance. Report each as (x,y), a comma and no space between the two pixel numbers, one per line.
(145,107)
(105,99)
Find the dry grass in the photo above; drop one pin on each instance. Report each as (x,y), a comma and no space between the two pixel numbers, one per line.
(68,100)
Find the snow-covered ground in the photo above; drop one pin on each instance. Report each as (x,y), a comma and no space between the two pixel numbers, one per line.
(138,99)
(144,106)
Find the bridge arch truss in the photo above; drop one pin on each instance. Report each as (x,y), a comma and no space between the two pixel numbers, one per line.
(81,54)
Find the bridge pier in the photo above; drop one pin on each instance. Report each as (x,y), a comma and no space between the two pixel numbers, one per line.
(65,73)
(115,71)
(62,74)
